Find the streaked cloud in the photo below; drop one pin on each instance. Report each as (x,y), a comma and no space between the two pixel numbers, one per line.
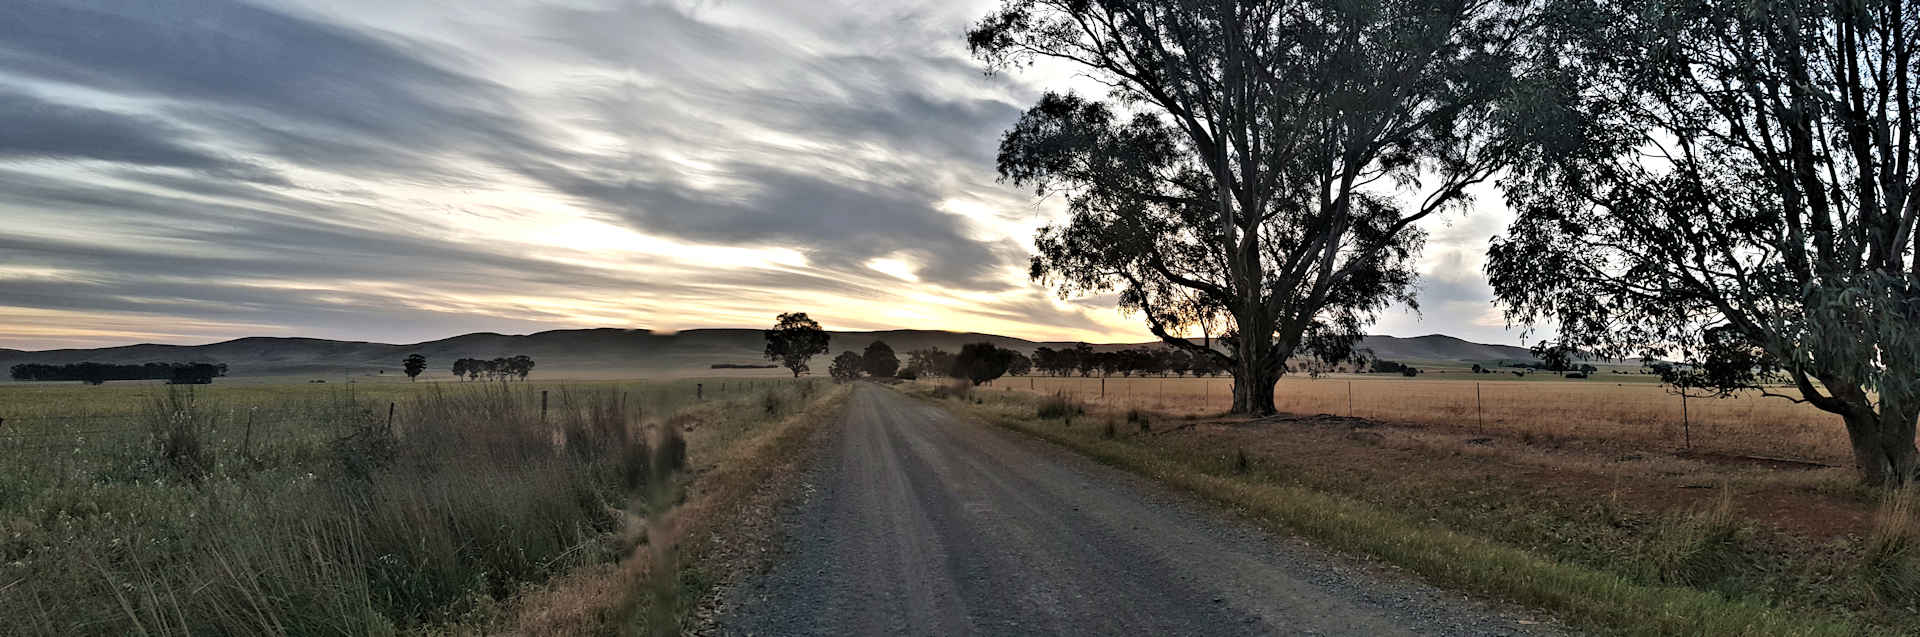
(195,170)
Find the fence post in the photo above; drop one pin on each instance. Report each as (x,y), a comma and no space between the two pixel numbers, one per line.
(1478,413)
(1349,399)
(246,440)
(1103,387)
(389,417)
(699,391)
(1686,426)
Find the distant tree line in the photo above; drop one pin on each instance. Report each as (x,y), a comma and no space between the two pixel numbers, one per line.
(97,373)
(1391,367)
(496,369)
(1134,361)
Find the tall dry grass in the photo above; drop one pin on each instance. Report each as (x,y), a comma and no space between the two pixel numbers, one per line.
(374,519)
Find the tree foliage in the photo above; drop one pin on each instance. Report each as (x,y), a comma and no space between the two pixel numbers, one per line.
(846,367)
(100,373)
(981,362)
(794,340)
(502,368)
(879,360)
(931,361)
(1258,167)
(413,365)
(1730,184)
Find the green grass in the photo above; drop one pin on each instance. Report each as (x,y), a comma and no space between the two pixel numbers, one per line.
(303,509)
(1650,603)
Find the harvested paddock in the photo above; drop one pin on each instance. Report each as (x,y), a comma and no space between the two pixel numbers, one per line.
(1629,412)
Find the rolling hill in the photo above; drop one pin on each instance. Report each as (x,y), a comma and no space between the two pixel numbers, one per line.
(608,351)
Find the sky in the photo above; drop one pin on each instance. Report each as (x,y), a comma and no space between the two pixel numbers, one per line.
(387,170)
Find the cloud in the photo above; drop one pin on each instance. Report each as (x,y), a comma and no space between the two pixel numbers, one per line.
(200,169)
(41,129)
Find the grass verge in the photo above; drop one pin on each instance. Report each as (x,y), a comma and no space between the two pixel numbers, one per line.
(718,529)
(1584,596)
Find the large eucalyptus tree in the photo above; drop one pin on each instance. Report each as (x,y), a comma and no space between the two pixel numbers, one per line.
(1731,184)
(1255,167)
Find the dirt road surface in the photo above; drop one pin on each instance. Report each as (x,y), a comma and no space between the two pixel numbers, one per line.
(919,523)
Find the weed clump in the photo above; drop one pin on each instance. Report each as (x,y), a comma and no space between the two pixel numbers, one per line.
(1058,406)
(774,403)
(1699,549)
(956,388)
(182,427)
(1889,562)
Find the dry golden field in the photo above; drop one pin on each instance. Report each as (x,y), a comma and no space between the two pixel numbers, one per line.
(1629,410)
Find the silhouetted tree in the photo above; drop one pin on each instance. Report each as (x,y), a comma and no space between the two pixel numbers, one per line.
(878,360)
(846,367)
(520,365)
(1555,357)
(1082,358)
(930,362)
(99,373)
(413,365)
(1246,179)
(794,340)
(981,362)
(1019,365)
(1732,185)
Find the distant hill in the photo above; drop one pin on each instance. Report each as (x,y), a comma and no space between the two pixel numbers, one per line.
(609,351)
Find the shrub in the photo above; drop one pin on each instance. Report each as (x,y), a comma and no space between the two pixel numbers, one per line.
(1701,548)
(957,388)
(1058,406)
(1889,563)
(774,403)
(181,427)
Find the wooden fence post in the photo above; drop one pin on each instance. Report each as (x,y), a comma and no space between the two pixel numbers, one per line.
(543,406)
(1478,413)
(1686,425)
(246,440)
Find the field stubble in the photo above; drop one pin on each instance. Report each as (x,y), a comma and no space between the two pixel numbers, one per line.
(1628,412)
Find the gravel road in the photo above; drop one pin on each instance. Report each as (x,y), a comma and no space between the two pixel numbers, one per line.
(919,523)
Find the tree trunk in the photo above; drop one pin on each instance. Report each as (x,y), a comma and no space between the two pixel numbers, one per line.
(1253,388)
(1883,446)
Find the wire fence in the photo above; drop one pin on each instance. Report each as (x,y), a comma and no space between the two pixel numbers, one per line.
(1554,411)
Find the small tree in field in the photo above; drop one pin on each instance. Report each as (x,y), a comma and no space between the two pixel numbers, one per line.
(413,365)
(846,367)
(794,340)
(520,366)
(879,360)
(981,362)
